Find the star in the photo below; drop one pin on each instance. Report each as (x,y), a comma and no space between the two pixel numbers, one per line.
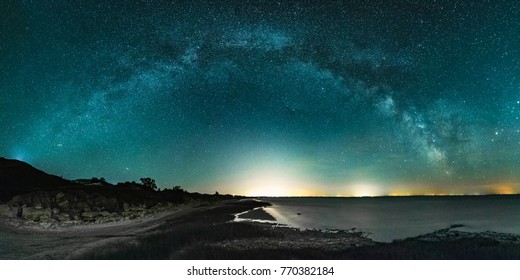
(332,96)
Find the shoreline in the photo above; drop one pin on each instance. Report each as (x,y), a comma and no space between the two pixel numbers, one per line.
(255,215)
(237,230)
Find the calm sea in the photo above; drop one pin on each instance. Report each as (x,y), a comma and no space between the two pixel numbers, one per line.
(389,218)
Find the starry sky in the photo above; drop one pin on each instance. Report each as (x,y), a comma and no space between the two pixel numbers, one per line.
(265,97)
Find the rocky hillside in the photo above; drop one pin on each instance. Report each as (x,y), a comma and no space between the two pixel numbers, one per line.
(29,196)
(93,205)
(17,177)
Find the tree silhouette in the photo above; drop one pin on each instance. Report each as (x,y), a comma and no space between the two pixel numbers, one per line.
(149,183)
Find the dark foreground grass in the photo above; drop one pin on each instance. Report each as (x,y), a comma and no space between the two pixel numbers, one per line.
(464,249)
(183,234)
(194,242)
(179,243)
(413,249)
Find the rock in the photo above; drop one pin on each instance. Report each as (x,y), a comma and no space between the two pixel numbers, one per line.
(61,217)
(73,213)
(5,210)
(16,201)
(45,219)
(82,206)
(102,203)
(104,213)
(38,200)
(46,224)
(19,211)
(100,217)
(62,201)
(69,223)
(89,215)
(37,215)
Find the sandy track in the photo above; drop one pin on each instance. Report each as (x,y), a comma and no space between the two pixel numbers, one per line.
(73,242)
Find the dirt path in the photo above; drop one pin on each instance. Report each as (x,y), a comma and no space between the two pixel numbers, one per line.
(72,242)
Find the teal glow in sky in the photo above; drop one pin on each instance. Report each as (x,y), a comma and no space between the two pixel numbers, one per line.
(266,97)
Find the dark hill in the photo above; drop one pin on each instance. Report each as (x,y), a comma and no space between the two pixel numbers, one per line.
(17,177)
(36,198)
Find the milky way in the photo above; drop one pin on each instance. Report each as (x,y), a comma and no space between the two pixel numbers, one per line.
(324,98)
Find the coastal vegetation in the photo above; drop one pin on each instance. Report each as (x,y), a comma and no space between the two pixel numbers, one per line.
(34,198)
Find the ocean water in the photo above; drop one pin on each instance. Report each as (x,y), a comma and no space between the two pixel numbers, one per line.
(390,218)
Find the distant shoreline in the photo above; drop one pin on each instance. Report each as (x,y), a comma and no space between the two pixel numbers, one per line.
(387,196)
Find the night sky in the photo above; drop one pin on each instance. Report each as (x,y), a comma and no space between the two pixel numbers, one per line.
(266,97)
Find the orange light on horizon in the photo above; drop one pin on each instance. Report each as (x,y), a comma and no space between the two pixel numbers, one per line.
(503,188)
(278,184)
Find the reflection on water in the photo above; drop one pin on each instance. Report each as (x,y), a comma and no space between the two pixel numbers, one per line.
(389,218)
